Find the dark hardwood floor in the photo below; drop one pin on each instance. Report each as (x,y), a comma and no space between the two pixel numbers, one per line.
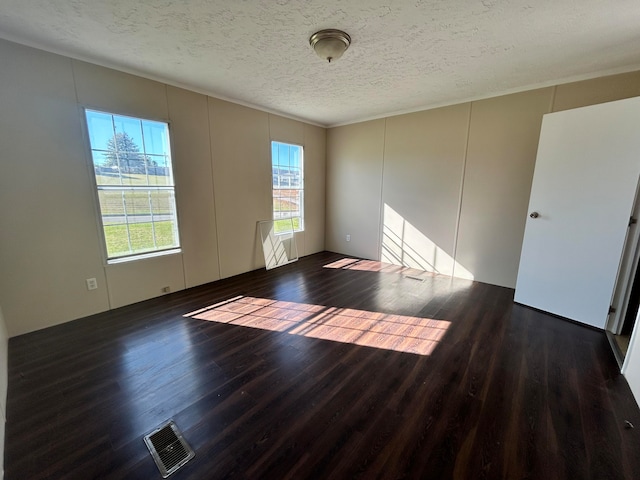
(258,373)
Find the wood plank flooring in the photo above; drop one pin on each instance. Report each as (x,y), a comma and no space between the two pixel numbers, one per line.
(308,371)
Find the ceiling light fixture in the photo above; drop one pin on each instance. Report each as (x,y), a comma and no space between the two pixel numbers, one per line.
(330,44)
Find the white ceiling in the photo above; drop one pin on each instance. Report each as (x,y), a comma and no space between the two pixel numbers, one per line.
(405,55)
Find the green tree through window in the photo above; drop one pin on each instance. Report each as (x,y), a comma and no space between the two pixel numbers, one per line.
(124,153)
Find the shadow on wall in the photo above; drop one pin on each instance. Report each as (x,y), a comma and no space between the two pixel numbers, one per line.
(405,245)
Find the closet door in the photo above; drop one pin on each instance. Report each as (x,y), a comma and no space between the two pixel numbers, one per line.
(583,192)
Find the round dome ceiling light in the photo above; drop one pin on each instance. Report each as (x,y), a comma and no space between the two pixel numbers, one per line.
(330,44)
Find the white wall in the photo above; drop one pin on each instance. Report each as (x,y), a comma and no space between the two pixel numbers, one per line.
(50,240)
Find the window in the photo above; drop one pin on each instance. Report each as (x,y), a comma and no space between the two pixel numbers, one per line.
(134,178)
(288,187)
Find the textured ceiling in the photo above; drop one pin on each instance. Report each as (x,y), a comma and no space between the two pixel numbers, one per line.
(405,54)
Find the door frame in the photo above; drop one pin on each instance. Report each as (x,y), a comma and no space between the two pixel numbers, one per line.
(626,271)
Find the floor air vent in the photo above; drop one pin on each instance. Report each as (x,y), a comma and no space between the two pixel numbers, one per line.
(168,448)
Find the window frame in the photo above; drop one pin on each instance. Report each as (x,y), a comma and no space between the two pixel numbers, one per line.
(301,189)
(175,249)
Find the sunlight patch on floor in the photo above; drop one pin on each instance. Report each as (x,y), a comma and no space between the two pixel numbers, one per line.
(375,266)
(359,327)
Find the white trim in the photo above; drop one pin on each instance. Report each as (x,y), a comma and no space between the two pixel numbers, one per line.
(143,256)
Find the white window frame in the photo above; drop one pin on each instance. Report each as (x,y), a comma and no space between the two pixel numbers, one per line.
(277,215)
(149,188)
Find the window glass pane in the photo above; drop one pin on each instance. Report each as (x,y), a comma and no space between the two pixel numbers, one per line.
(156,141)
(100,129)
(125,147)
(281,207)
(295,178)
(294,157)
(132,164)
(165,233)
(141,235)
(111,206)
(105,175)
(137,206)
(162,202)
(131,129)
(117,240)
(287,184)
(284,226)
(285,202)
(283,155)
(158,170)
(135,179)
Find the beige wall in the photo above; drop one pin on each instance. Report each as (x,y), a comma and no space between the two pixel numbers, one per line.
(501,153)
(196,209)
(598,90)
(455,185)
(354,186)
(50,239)
(241,153)
(423,165)
(315,140)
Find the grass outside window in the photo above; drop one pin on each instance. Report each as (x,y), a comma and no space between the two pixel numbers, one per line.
(141,236)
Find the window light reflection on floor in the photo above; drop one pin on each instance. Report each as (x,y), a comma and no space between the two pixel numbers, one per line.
(359,327)
(374,266)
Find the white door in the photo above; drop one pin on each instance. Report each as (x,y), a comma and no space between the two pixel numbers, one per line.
(583,191)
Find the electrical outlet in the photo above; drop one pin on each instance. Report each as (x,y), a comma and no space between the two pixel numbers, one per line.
(166,289)
(348,238)
(92,284)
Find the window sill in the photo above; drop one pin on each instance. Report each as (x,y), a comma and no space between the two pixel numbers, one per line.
(143,256)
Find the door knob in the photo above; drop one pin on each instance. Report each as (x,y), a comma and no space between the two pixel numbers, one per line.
(534,214)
